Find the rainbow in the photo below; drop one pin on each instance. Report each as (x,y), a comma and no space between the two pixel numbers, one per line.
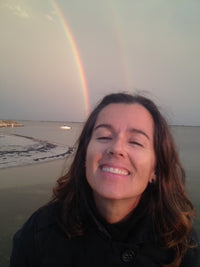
(74,48)
(119,35)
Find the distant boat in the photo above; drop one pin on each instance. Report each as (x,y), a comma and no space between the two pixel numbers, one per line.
(65,127)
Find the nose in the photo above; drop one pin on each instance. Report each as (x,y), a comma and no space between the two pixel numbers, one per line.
(117,148)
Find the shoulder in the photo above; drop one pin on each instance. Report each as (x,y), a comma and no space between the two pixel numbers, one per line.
(43,217)
(25,240)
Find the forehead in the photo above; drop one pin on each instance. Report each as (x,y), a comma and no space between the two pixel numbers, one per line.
(126,116)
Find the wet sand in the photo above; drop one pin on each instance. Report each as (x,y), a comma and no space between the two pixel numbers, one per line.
(22,191)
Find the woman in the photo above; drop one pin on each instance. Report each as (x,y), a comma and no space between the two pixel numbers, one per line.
(123,200)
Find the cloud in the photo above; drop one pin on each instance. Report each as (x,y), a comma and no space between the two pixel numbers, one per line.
(49,17)
(18,10)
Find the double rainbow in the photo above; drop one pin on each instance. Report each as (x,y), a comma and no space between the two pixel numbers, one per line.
(74,48)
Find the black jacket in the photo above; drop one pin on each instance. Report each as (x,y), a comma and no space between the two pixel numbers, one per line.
(42,243)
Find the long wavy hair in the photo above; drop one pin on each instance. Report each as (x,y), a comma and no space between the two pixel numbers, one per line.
(171,208)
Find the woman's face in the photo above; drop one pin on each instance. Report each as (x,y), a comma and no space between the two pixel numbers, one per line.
(120,159)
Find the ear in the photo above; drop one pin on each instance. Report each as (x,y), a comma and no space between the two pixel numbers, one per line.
(152,178)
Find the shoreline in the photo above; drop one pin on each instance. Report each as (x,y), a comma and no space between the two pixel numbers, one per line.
(20,150)
(10,124)
(63,157)
(34,163)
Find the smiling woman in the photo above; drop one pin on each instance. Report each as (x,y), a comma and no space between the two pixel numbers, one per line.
(120,159)
(124,192)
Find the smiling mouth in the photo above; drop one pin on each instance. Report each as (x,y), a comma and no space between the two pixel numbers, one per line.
(115,170)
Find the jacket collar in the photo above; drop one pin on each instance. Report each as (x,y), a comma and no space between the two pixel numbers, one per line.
(137,228)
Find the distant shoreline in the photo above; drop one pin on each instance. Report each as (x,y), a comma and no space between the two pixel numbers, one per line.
(10,123)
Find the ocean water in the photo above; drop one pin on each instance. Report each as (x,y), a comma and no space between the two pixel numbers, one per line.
(187,140)
(33,157)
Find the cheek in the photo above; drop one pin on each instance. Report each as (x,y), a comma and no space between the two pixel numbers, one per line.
(144,163)
(90,167)
(93,154)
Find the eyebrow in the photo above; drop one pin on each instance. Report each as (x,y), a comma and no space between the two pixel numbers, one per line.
(131,130)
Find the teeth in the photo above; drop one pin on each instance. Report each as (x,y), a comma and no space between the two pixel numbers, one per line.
(114,170)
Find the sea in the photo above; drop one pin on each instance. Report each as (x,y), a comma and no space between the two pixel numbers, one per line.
(34,156)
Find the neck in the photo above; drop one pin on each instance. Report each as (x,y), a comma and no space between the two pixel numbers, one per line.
(114,211)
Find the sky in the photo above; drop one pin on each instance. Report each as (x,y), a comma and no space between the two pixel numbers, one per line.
(58,58)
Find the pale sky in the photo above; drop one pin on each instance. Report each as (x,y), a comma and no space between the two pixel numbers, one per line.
(123,45)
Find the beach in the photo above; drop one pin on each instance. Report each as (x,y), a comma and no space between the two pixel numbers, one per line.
(25,188)
(22,191)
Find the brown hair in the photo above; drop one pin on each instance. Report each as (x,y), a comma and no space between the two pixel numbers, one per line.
(172,210)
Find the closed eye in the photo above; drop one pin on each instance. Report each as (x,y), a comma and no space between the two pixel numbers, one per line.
(136,143)
(104,138)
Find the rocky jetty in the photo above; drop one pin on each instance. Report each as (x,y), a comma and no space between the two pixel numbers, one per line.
(10,123)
